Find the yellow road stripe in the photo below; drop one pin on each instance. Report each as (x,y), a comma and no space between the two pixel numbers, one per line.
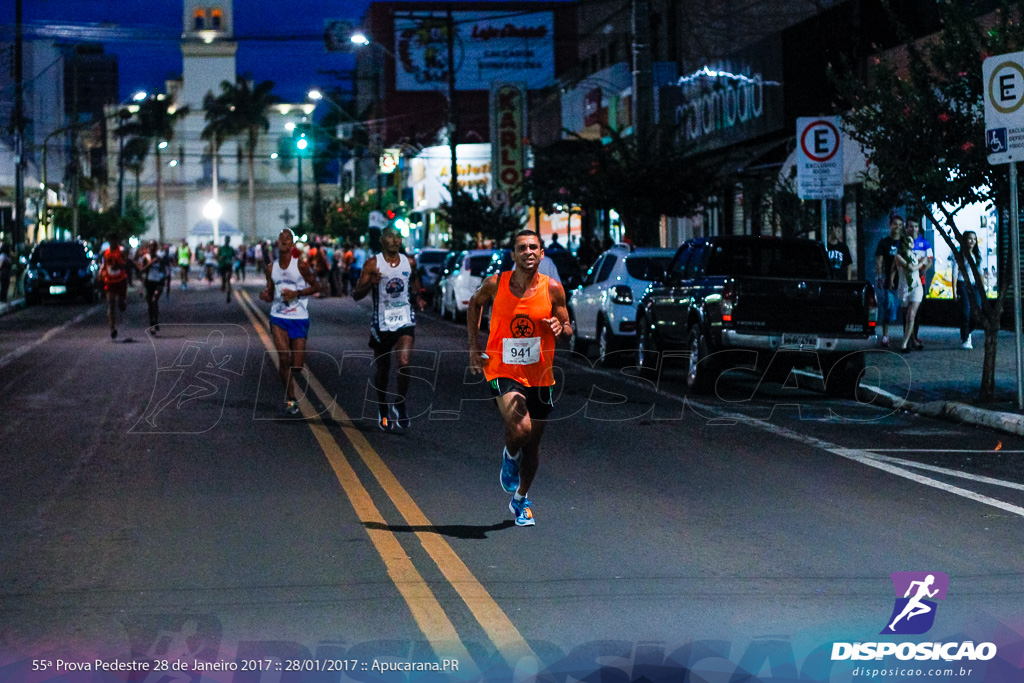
(499,628)
(425,608)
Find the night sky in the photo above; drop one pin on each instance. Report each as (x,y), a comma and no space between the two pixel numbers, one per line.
(281,40)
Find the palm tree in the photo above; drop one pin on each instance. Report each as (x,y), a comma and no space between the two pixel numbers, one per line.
(219,127)
(245,110)
(134,158)
(155,123)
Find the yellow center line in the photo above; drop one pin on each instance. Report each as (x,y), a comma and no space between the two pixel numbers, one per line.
(426,610)
(495,623)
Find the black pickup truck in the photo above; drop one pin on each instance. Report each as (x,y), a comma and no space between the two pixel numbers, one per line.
(759,302)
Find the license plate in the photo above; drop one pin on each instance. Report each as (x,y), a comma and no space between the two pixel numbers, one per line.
(799,340)
(58,289)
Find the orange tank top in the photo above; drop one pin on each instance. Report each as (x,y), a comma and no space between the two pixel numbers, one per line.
(521,345)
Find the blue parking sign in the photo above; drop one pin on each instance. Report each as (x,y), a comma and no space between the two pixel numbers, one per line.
(995,140)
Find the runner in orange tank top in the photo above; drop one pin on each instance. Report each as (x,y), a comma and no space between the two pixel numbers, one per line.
(527,317)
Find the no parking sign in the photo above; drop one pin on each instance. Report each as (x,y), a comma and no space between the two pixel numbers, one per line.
(819,169)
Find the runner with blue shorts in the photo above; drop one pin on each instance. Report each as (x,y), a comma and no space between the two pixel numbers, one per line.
(290,283)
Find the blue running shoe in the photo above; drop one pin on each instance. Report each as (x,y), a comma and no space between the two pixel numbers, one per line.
(509,472)
(399,416)
(521,509)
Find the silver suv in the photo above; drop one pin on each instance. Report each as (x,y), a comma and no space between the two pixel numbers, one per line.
(603,308)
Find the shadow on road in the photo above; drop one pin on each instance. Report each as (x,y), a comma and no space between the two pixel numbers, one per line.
(463,531)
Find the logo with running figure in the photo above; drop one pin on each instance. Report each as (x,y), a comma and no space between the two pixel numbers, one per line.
(916,592)
(521,326)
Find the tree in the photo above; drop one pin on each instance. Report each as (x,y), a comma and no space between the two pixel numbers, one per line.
(641,178)
(99,225)
(219,127)
(155,122)
(472,215)
(244,110)
(134,159)
(919,114)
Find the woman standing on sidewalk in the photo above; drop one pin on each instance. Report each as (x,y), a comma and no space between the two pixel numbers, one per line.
(910,288)
(968,297)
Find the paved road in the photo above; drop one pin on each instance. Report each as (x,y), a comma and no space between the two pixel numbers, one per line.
(159,505)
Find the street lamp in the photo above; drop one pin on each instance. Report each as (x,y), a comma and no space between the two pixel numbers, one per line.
(300,145)
(124,115)
(213,211)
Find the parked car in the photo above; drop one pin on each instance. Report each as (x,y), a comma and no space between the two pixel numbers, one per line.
(60,269)
(463,280)
(429,262)
(446,268)
(603,307)
(771,296)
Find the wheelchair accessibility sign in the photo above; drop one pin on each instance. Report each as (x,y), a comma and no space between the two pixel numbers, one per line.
(995,140)
(1004,107)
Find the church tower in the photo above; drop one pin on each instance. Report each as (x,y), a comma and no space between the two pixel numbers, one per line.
(207,49)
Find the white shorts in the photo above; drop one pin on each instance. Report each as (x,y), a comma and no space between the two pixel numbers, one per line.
(912,294)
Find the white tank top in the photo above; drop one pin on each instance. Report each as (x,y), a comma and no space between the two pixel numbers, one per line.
(288,278)
(392,309)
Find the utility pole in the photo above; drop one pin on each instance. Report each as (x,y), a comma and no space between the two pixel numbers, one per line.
(643,78)
(452,108)
(19,131)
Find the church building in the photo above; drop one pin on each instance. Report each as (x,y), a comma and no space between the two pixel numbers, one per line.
(208,58)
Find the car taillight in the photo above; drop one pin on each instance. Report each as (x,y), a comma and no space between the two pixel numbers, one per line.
(622,294)
(729,292)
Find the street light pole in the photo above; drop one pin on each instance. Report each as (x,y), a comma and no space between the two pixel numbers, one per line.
(120,164)
(300,145)
(452,115)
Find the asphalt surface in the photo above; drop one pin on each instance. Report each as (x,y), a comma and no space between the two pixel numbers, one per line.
(160,505)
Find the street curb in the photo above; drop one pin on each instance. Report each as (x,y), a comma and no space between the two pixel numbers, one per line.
(12,305)
(954,411)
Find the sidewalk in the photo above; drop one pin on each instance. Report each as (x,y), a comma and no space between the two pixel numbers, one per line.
(944,380)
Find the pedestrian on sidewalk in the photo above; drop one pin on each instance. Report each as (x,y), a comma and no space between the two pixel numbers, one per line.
(910,288)
(838,253)
(885,276)
(968,289)
(924,251)
(6,265)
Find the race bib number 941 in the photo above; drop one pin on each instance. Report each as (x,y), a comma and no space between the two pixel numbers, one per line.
(523,351)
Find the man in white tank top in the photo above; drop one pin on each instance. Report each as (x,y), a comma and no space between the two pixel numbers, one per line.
(290,283)
(392,279)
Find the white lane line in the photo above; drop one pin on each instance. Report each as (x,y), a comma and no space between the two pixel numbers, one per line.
(948,472)
(49,334)
(946,450)
(861,456)
(873,460)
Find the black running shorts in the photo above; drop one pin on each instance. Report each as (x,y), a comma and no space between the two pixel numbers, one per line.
(539,400)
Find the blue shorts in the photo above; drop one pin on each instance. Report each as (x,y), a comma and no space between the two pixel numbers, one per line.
(888,306)
(297,328)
